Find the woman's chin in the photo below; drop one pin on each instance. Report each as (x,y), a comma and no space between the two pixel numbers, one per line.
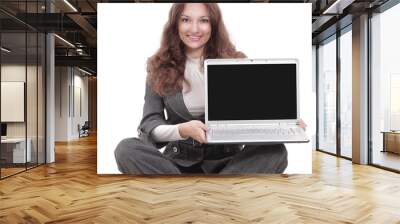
(194,46)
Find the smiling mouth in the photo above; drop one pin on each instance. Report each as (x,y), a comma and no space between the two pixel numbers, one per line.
(192,38)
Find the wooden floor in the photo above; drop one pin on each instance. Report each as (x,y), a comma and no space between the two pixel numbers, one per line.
(10,171)
(70,191)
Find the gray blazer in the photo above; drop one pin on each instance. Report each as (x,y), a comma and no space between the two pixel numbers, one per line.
(177,112)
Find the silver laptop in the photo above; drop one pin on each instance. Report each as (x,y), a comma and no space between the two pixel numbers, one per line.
(252,101)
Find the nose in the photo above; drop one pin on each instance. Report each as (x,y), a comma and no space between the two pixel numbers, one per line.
(194,27)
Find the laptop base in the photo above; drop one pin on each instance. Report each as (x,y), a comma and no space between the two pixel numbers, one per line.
(256,135)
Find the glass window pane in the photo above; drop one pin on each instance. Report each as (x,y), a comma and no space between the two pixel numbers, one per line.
(327,97)
(14,153)
(346,93)
(41,98)
(22,88)
(32,95)
(386,89)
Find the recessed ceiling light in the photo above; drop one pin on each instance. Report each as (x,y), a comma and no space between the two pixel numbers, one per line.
(64,40)
(70,5)
(84,71)
(337,7)
(5,50)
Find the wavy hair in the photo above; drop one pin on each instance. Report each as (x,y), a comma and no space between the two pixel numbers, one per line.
(167,66)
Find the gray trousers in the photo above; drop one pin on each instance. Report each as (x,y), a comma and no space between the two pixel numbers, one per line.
(135,157)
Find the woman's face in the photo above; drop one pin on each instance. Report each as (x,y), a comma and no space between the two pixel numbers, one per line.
(194,27)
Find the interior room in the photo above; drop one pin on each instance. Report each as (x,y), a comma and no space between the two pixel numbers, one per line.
(48,150)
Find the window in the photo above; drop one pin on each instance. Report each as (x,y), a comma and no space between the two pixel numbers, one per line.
(346,93)
(327,96)
(22,68)
(385,88)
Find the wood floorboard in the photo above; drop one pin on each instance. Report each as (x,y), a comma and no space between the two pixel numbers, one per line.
(70,191)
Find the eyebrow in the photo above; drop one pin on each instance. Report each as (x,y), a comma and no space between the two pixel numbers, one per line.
(200,17)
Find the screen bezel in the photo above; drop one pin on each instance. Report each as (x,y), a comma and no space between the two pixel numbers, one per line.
(250,61)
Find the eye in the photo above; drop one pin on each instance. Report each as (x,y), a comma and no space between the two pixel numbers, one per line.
(204,20)
(185,20)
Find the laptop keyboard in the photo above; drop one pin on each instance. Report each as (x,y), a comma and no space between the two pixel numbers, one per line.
(254,133)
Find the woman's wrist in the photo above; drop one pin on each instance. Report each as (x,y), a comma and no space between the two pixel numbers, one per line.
(181,130)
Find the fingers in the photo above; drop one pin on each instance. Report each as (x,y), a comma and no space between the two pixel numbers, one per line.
(301,122)
(200,135)
(198,131)
(200,125)
(200,138)
(303,125)
(204,127)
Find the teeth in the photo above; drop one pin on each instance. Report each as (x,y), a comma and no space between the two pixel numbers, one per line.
(194,38)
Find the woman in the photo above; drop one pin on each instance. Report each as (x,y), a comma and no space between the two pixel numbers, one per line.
(194,32)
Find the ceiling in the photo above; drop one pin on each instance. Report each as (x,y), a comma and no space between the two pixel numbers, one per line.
(76,22)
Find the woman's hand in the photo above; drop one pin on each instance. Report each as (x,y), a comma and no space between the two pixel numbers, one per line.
(194,129)
(301,123)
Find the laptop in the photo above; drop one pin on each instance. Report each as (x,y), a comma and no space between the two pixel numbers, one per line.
(252,101)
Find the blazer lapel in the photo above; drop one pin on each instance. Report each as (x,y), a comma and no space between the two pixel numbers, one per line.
(177,104)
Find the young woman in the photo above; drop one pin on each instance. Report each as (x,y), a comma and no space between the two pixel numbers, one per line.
(175,83)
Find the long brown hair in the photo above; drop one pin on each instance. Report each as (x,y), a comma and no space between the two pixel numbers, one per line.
(167,66)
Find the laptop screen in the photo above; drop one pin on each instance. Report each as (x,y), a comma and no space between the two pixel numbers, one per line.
(252,92)
(3,129)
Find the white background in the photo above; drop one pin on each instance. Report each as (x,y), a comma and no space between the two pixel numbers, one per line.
(130,33)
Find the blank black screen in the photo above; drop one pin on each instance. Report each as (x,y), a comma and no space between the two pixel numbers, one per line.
(3,129)
(252,92)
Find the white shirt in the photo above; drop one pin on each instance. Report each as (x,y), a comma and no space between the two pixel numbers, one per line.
(194,101)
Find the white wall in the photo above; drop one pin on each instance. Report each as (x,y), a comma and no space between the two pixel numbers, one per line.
(314,94)
(61,103)
(12,73)
(82,82)
(259,30)
(13,79)
(68,81)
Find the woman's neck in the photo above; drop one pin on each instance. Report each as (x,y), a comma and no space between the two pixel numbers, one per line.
(194,54)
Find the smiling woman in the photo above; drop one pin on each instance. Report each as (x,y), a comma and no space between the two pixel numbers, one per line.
(175,83)
(194,29)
